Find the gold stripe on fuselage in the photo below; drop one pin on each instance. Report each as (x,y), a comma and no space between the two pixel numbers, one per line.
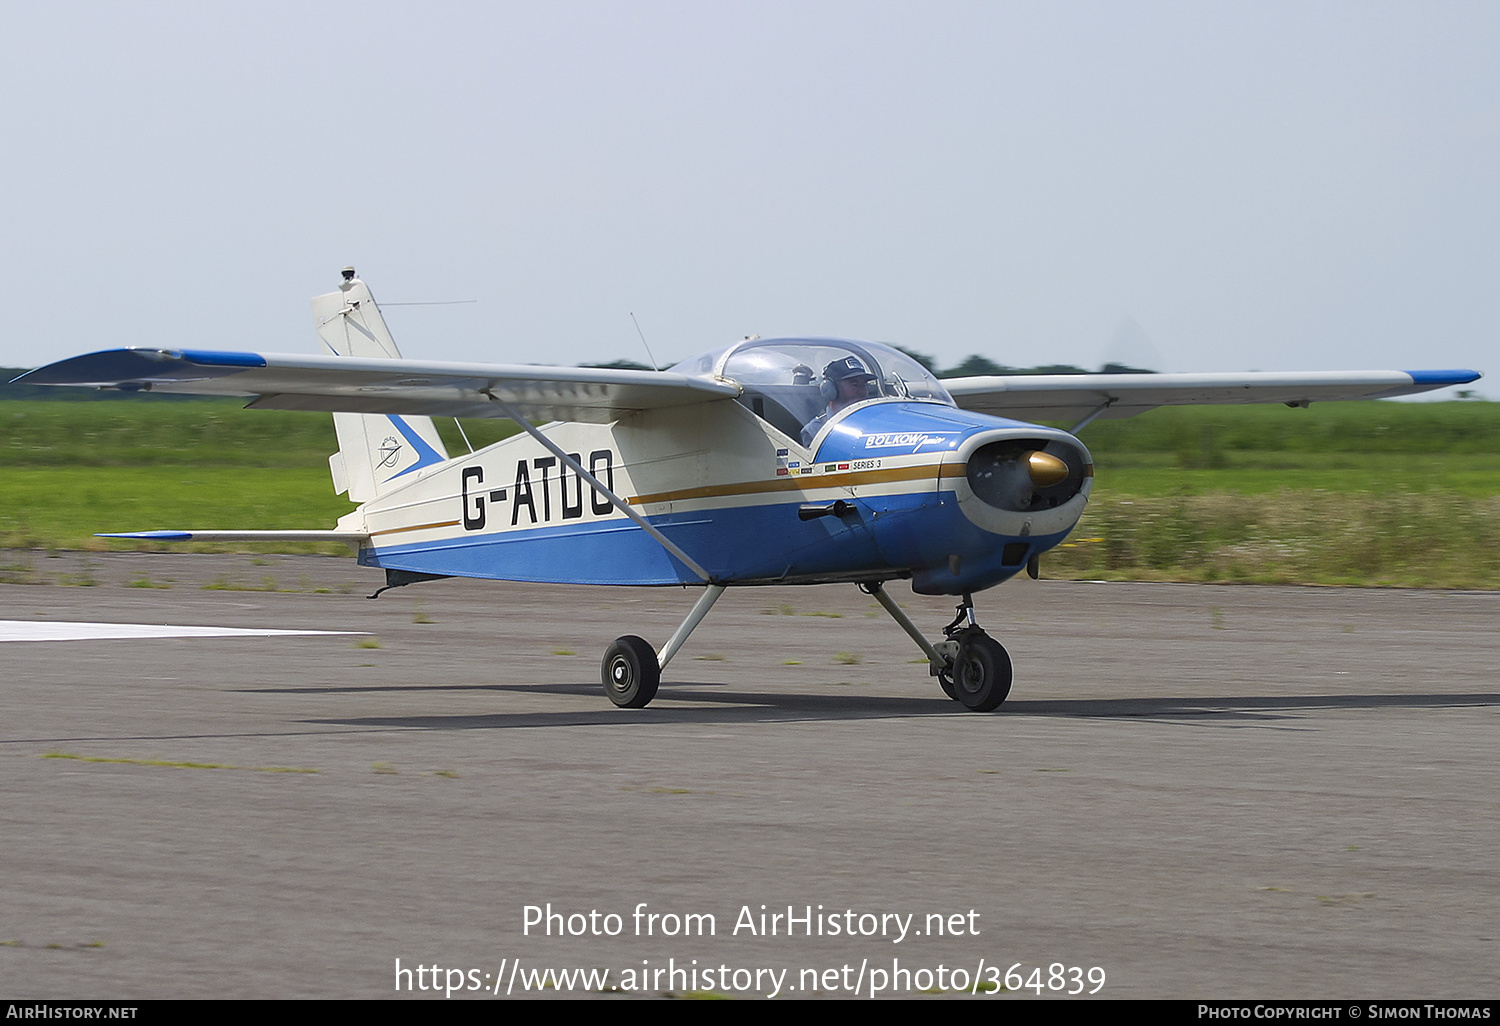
(802,482)
(416,527)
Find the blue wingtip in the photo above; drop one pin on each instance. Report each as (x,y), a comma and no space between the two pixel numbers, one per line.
(1439,378)
(218,358)
(152,535)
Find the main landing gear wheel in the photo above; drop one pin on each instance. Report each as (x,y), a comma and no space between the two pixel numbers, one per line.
(981,673)
(631,673)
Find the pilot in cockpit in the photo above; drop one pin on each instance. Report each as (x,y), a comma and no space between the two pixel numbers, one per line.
(845,382)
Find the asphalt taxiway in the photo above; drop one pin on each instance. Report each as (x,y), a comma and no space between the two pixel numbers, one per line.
(1206,792)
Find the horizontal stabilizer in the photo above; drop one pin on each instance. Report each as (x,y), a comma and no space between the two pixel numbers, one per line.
(352,537)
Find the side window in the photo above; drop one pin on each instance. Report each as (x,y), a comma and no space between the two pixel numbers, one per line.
(769,409)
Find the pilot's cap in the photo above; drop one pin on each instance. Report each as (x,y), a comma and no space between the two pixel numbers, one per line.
(848,367)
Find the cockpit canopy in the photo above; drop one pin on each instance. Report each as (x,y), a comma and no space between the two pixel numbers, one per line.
(791,382)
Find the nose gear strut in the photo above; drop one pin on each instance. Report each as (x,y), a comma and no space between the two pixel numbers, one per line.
(972,667)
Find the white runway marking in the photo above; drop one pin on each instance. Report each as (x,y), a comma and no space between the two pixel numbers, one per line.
(28,630)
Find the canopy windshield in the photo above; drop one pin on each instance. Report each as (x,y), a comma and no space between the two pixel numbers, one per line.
(798,383)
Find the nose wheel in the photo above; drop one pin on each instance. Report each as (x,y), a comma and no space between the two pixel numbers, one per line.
(972,668)
(980,676)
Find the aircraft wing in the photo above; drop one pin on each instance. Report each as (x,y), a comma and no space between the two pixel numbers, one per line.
(290,381)
(1074,397)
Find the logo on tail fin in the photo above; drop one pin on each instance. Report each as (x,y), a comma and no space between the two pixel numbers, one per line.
(390,450)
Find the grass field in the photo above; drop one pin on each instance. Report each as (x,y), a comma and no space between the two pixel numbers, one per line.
(1354,493)
(64,507)
(204,432)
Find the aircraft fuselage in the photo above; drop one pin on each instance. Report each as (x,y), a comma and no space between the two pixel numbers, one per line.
(728,488)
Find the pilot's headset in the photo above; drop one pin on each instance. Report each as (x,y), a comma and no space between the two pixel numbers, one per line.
(837,371)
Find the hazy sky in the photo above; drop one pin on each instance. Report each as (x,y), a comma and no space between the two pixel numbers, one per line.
(1251,185)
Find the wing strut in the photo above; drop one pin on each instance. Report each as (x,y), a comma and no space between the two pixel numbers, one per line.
(618,503)
(1086,421)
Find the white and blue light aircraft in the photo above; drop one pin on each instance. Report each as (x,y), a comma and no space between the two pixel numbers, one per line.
(767,461)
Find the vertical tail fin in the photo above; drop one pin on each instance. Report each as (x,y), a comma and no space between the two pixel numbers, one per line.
(374,449)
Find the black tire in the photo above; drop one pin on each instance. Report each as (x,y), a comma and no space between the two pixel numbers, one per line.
(630,672)
(945,681)
(981,674)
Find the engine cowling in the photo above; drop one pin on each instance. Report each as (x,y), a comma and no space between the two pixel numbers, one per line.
(1020,482)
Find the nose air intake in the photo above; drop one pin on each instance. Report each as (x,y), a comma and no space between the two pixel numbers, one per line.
(1023,475)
